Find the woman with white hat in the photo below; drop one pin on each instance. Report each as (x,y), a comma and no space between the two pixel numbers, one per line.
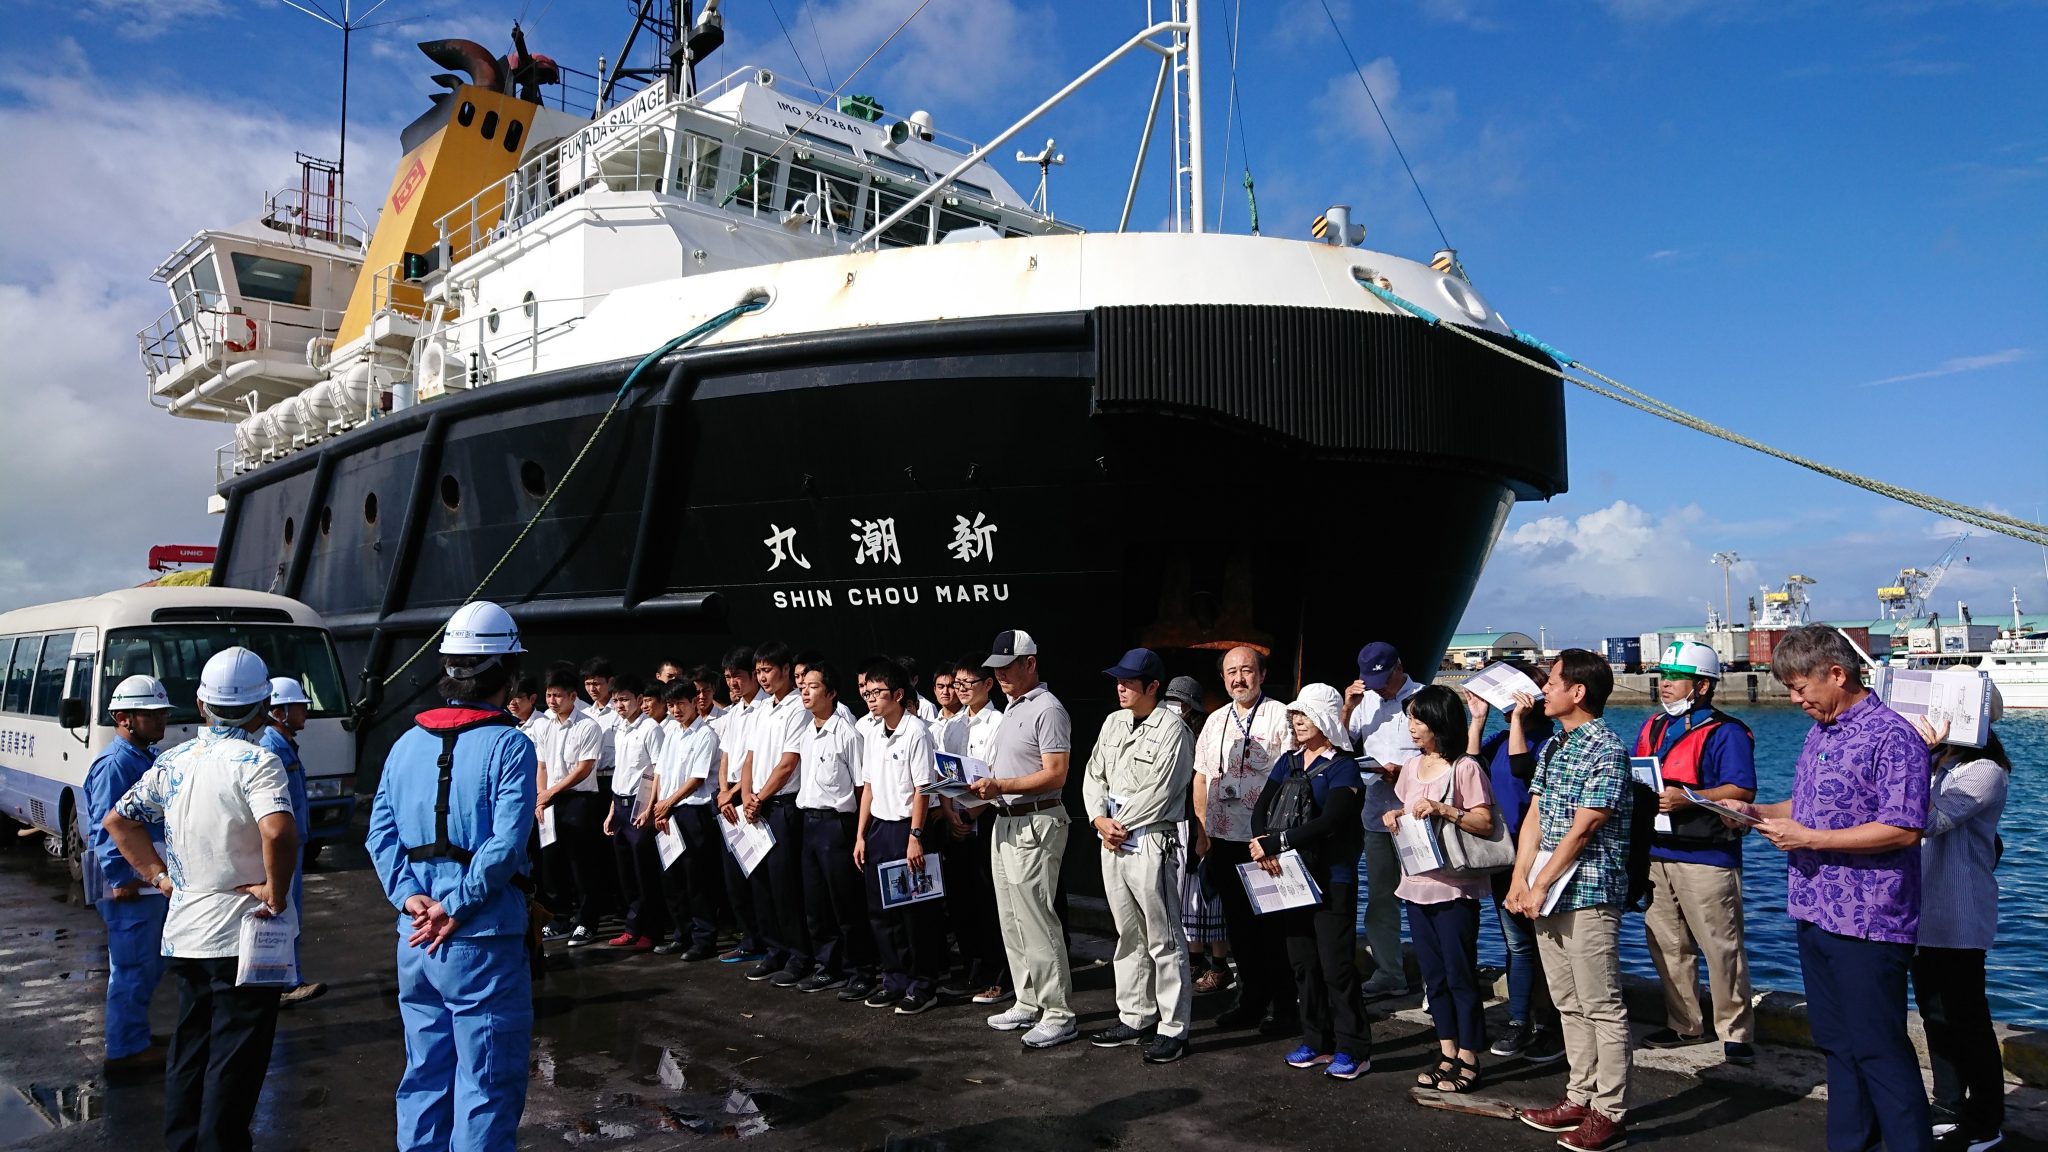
(1958,920)
(1310,805)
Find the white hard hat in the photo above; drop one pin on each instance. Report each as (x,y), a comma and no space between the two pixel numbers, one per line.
(139,694)
(285,690)
(234,678)
(480,628)
(1691,658)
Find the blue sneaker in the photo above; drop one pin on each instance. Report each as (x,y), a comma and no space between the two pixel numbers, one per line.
(1306,1057)
(741,956)
(1344,1067)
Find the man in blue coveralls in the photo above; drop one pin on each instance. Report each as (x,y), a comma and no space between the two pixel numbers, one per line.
(448,834)
(287,719)
(132,909)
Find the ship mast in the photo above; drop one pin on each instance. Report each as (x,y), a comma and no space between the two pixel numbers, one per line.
(1189,167)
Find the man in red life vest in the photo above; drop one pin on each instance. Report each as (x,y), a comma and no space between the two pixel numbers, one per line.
(1695,859)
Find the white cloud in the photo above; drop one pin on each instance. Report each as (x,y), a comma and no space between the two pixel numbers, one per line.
(967,54)
(1959,364)
(109,475)
(148,19)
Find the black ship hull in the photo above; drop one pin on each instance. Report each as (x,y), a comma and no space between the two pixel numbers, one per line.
(1184,477)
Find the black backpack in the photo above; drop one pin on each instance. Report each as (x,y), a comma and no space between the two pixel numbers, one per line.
(1296,804)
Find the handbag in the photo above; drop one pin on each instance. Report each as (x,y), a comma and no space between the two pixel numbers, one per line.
(1466,854)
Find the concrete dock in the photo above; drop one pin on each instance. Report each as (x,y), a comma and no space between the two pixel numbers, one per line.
(644,1052)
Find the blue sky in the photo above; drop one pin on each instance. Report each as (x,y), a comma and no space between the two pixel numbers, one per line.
(1825,225)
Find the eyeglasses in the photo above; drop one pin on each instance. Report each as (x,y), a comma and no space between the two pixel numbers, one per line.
(874,693)
(968,682)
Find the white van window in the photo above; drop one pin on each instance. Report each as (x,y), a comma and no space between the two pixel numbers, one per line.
(175,654)
(14,698)
(49,687)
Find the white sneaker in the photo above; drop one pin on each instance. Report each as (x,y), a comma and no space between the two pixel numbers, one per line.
(1986,1144)
(1012,1018)
(1046,1034)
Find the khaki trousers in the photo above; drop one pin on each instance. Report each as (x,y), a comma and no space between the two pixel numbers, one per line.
(1697,911)
(1582,964)
(1151,962)
(1028,850)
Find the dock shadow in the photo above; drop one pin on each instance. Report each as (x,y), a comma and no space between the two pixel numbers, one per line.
(1105,1125)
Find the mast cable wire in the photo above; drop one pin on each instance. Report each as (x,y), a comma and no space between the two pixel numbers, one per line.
(791,41)
(1623,394)
(1235,111)
(1383,123)
(811,14)
(833,98)
(706,328)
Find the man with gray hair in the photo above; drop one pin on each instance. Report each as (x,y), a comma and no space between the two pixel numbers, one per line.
(229,850)
(1851,838)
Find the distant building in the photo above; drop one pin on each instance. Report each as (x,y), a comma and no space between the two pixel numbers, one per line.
(1478,649)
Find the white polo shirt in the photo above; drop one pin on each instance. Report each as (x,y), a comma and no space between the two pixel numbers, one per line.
(830,773)
(777,729)
(895,765)
(210,793)
(608,722)
(927,711)
(1379,729)
(691,754)
(733,732)
(636,746)
(981,730)
(565,744)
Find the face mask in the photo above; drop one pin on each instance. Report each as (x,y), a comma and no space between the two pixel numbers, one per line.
(1677,707)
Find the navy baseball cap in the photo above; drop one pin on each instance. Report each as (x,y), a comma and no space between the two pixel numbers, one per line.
(1010,645)
(1376,663)
(1140,664)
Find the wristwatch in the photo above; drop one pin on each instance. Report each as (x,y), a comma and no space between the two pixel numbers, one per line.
(917,833)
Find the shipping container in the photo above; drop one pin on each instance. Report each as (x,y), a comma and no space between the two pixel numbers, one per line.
(1653,645)
(1624,653)
(1967,637)
(1763,640)
(1732,647)
(1923,641)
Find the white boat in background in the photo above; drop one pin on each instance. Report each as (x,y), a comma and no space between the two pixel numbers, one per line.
(2016,661)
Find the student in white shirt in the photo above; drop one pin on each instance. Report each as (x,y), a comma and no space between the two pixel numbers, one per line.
(597,685)
(970,881)
(896,813)
(567,749)
(768,787)
(835,908)
(685,779)
(630,823)
(733,733)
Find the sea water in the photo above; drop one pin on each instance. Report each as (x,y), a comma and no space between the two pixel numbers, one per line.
(2015,963)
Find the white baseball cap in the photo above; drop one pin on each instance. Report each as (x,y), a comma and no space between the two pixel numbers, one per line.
(1010,645)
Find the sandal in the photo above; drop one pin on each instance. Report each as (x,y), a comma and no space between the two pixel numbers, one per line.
(1446,1067)
(1465,1078)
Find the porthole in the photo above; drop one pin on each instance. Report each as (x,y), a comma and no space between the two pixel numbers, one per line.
(529,306)
(490,127)
(370,508)
(326,520)
(451,493)
(534,479)
(288,527)
(491,321)
(466,114)
(513,132)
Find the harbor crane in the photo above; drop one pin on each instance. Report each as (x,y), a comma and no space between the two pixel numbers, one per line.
(1906,597)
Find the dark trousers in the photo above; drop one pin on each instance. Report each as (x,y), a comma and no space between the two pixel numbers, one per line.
(971,884)
(1969,1072)
(638,864)
(910,938)
(218,1057)
(835,909)
(1856,1006)
(1321,945)
(778,887)
(576,861)
(1446,939)
(739,894)
(1264,978)
(694,884)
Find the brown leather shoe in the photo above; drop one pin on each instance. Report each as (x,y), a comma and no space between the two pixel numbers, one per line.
(1596,1133)
(1564,1116)
(149,1058)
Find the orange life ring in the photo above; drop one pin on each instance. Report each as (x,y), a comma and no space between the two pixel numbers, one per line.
(232,346)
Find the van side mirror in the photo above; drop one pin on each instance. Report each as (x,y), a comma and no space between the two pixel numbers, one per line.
(71,712)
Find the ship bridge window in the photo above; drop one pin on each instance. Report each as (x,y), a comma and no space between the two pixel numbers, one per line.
(758,176)
(825,142)
(953,220)
(973,189)
(278,281)
(697,175)
(839,193)
(197,289)
(898,168)
(912,230)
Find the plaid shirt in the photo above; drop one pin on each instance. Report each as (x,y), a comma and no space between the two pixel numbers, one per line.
(1587,768)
